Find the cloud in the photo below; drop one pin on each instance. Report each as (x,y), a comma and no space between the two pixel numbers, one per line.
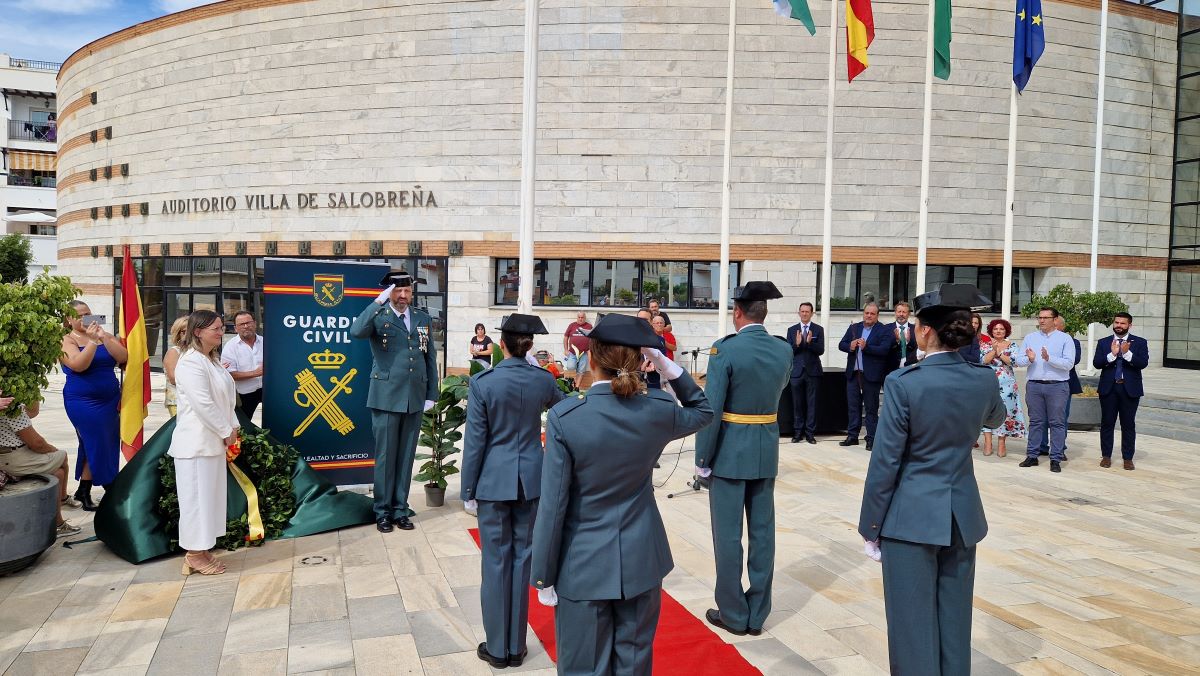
(60,7)
(179,5)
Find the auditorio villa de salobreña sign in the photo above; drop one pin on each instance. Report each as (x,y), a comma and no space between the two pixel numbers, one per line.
(316,375)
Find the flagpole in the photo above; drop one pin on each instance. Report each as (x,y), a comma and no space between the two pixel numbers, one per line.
(1009,198)
(926,133)
(1097,172)
(827,231)
(726,176)
(528,159)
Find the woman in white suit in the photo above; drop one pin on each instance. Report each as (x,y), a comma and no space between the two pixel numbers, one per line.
(206,426)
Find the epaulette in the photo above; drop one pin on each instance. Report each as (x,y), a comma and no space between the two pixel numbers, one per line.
(569,404)
(712,351)
(978,365)
(659,394)
(482,373)
(905,370)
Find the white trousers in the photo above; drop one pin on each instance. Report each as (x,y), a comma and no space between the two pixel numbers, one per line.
(201,486)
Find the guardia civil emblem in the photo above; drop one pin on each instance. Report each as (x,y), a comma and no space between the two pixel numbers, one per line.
(327,289)
(310,393)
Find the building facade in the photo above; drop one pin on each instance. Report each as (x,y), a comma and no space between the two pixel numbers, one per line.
(387,129)
(28,143)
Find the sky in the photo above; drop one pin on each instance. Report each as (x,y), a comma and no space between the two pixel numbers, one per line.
(50,30)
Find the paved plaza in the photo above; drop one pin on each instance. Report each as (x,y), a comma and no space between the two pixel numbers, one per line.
(1090,571)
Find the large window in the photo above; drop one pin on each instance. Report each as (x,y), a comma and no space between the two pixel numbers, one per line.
(856,284)
(675,284)
(1183,276)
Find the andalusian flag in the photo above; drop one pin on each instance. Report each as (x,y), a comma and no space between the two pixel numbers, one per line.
(860,31)
(941,39)
(798,10)
(135,391)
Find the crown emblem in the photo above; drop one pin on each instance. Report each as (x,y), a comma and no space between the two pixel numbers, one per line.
(327,359)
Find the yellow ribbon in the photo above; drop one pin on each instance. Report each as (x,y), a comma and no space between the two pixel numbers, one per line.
(750,418)
(254,517)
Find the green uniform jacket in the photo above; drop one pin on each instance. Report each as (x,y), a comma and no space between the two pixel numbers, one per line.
(404,373)
(747,372)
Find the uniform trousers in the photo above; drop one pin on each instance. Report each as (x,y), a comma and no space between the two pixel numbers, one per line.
(396,437)
(1118,403)
(608,636)
(505,536)
(728,501)
(201,486)
(927,593)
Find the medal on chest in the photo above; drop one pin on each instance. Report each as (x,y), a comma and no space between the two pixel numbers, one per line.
(423,334)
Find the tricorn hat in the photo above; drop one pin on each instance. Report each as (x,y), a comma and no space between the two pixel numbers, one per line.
(398,277)
(519,323)
(753,291)
(625,330)
(948,298)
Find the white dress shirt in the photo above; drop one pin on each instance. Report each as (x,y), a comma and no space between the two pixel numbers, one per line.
(243,357)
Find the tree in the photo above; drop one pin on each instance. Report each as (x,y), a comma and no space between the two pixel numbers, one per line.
(1078,309)
(32,324)
(15,257)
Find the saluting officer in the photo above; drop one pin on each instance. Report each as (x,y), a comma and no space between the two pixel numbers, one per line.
(747,372)
(599,547)
(501,478)
(920,503)
(404,384)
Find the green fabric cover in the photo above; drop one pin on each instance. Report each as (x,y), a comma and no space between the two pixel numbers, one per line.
(128,520)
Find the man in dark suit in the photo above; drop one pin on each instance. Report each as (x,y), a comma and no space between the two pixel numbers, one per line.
(868,345)
(904,349)
(1120,358)
(808,344)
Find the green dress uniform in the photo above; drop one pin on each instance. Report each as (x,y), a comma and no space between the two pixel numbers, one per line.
(403,378)
(921,501)
(599,539)
(747,372)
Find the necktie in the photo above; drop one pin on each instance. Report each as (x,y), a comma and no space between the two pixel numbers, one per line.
(803,333)
(1120,372)
(903,342)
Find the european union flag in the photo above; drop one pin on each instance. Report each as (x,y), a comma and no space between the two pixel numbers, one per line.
(1029,41)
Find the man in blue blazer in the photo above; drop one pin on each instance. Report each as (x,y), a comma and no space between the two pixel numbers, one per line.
(1120,358)
(904,346)
(502,474)
(868,347)
(808,344)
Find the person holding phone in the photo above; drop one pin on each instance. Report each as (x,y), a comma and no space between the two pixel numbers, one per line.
(92,396)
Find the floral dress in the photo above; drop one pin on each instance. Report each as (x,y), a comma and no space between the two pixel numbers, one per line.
(1014,421)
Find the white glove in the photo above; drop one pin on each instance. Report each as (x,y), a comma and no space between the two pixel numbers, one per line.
(871,550)
(669,369)
(703,472)
(547,596)
(428,405)
(471,507)
(385,295)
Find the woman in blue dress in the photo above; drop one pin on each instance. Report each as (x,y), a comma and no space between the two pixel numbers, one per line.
(92,396)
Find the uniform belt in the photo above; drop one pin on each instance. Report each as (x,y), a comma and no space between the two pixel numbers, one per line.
(1048,382)
(1119,381)
(750,418)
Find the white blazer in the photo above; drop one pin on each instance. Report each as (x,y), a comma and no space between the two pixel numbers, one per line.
(206,399)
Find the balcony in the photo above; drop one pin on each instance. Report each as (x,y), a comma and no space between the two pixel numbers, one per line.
(28,130)
(49,66)
(33,181)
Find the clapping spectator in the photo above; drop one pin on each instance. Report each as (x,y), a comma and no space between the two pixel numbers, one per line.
(171,358)
(1001,354)
(576,341)
(481,347)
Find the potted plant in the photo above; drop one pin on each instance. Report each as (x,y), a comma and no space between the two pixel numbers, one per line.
(1080,310)
(439,433)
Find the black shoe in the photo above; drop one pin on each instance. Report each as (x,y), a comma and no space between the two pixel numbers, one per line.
(797,439)
(518,660)
(495,662)
(404,524)
(714,618)
(1043,452)
(810,439)
(848,442)
(754,632)
(1028,462)
(84,495)
(870,443)
(384,525)
(1054,466)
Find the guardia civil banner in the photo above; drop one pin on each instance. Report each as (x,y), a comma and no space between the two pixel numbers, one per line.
(316,376)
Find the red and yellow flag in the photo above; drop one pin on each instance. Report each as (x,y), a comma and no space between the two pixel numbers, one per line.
(860,31)
(135,391)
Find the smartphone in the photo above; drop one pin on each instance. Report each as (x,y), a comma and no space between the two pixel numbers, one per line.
(94,319)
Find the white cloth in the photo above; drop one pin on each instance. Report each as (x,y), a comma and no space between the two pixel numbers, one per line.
(242,357)
(703,472)
(205,416)
(471,507)
(385,295)
(200,483)
(669,369)
(547,596)
(872,550)
(429,403)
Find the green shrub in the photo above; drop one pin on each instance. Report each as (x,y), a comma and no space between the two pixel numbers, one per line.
(32,325)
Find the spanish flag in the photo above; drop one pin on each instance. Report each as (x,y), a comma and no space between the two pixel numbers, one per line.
(135,391)
(860,31)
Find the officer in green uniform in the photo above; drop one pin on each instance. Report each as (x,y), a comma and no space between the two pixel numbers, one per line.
(747,372)
(921,510)
(404,384)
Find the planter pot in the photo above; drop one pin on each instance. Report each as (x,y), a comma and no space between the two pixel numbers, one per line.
(1085,413)
(435,496)
(27,510)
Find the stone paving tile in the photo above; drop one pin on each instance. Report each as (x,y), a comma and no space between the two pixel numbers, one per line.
(262,663)
(125,644)
(192,654)
(12,641)
(320,646)
(47,662)
(200,615)
(148,600)
(71,627)
(318,602)
(455,664)
(387,656)
(373,580)
(263,590)
(442,631)
(375,616)
(100,588)
(773,657)
(425,592)
(257,630)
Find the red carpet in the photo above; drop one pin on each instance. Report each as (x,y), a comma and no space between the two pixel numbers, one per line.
(684,644)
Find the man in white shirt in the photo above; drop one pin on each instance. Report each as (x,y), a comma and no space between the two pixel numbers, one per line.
(243,358)
(1050,356)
